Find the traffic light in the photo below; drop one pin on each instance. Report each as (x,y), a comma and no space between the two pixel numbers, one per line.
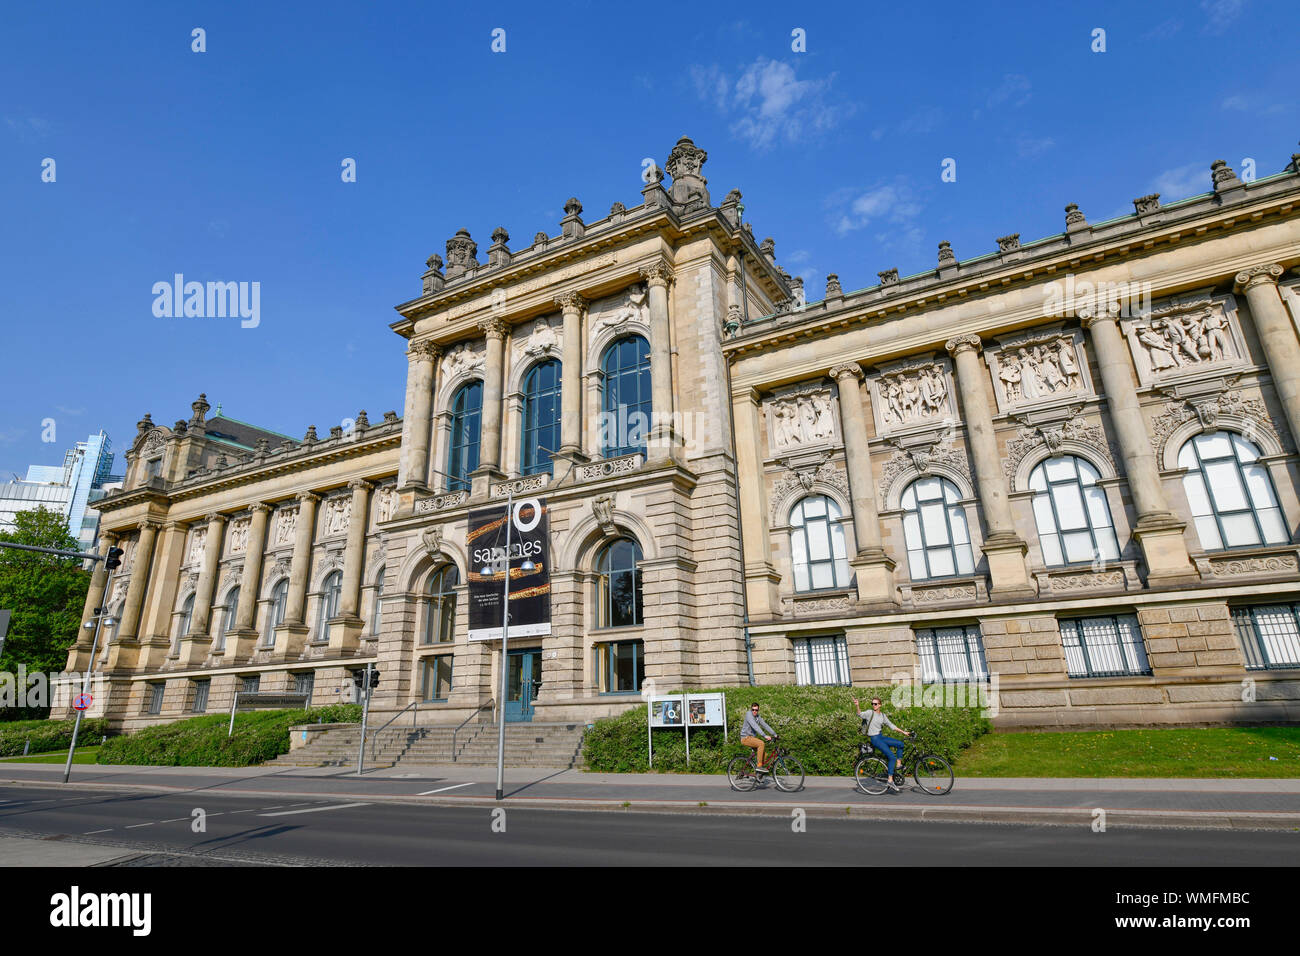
(113,560)
(359,679)
(374,678)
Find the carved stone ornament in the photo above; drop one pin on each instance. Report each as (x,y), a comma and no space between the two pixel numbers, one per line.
(1146,204)
(803,481)
(285,524)
(818,605)
(916,393)
(1009,243)
(462,360)
(543,340)
(338,512)
(633,308)
(461,253)
(385,503)
(923,459)
(450,499)
(603,507)
(1208,410)
(239,535)
(432,541)
(154,440)
(1076,430)
(1044,365)
(801,420)
(1186,335)
(198,543)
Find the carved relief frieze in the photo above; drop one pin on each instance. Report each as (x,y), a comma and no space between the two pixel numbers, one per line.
(239,535)
(461,360)
(633,309)
(543,339)
(1042,365)
(822,605)
(451,499)
(338,512)
(385,503)
(917,393)
(802,418)
(1186,335)
(286,521)
(198,544)
(944,593)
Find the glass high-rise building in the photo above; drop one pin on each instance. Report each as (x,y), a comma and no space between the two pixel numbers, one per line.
(70,489)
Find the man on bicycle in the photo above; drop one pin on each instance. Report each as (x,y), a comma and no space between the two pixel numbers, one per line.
(876,720)
(749,733)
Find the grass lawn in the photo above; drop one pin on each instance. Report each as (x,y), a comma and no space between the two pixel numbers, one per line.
(83,755)
(1159,752)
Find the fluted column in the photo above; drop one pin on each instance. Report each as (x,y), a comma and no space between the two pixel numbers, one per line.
(761,577)
(489,456)
(207,582)
(573,306)
(417,423)
(663,438)
(1276,335)
(1003,548)
(873,568)
(354,555)
(1158,530)
(129,628)
(304,533)
(240,642)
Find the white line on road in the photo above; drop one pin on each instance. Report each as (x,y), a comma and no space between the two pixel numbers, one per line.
(89,832)
(174,820)
(135,825)
(445,789)
(336,806)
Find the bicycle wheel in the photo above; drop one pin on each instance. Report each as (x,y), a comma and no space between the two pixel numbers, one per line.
(740,773)
(787,772)
(933,774)
(871,775)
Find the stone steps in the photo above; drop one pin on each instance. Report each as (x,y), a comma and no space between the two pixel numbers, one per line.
(527,745)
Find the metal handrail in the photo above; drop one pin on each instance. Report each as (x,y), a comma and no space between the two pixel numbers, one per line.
(477,711)
(374,734)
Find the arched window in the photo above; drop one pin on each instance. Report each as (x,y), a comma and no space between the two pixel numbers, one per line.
(227,617)
(625,397)
(466,416)
(934,524)
(618,585)
(377,610)
(275,612)
(541,433)
(329,602)
(1071,512)
(1231,494)
(440,606)
(817,545)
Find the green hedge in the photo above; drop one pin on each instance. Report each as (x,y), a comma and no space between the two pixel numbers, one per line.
(815,723)
(202,742)
(47,735)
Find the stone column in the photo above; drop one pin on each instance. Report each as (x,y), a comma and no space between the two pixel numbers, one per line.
(1277,336)
(207,582)
(241,641)
(874,568)
(416,425)
(761,577)
(1004,549)
(129,628)
(345,630)
(1158,530)
(289,635)
(573,307)
(489,456)
(663,440)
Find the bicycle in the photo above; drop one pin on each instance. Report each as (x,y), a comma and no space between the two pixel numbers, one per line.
(931,772)
(785,770)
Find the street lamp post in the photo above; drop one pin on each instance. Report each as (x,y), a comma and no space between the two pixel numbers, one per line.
(100,617)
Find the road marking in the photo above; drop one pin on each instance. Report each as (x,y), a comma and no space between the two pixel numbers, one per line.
(174,820)
(279,806)
(249,810)
(89,832)
(445,789)
(336,806)
(134,826)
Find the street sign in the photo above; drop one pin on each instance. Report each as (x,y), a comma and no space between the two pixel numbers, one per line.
(82,702)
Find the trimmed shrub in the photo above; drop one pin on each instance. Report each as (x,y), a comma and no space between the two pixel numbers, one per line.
(816,724)
(47,735)
(202,742)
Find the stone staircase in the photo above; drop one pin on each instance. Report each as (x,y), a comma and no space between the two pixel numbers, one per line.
(527,745)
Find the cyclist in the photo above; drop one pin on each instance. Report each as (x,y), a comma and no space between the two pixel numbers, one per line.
(749,733)
(876,720)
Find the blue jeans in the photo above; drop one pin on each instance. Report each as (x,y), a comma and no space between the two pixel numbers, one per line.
(886,746)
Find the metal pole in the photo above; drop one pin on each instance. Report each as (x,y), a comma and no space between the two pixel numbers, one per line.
(233,704)
(686,722)
(505,632)
(365,712)
(85,684)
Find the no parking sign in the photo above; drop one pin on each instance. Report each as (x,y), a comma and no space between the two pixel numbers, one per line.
(82,702)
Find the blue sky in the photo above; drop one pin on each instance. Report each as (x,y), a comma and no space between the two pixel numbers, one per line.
(225,165)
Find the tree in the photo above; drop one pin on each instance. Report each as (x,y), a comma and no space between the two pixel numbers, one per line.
(45,594)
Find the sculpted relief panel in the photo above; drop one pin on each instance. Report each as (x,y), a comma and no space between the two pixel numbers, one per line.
(1184,336)
(912,394)
(802,420)
(1040,366)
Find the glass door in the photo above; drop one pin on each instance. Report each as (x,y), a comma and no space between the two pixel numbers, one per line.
(523,680)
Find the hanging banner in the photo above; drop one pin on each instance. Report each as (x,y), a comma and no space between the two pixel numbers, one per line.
(529,565)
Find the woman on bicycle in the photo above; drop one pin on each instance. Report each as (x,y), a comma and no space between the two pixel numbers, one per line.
(877,720)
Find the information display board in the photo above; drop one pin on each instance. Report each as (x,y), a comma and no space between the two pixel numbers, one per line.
(685,711)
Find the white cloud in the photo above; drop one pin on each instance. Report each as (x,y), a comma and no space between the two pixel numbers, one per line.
(799,256)
(1164,29)
(1014,89)
(1221,14)
(1028,147)
(769,102)
(854,209)
(1234,103)
(1182,181)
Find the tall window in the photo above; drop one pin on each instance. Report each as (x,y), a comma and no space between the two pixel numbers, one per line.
(626,398)
(329,603)
(622,666)
(951,654)
(227,617)
(618,585)
(275,611)
(156,698)
(303,683)
(821,660)
(1230,492)
(201,688)
(938,541)
(440,606)
(541,416)
(436,677)
(1103,646)
(1269,635)
(183,627)
(1071,512)
(377,611)
(817,545)
(466,420)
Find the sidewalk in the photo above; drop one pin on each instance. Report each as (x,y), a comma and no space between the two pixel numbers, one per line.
(1195,803)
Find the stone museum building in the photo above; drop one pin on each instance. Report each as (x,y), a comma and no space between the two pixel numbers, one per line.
(1067,467)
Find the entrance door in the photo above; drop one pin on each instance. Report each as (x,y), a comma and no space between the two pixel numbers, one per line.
(523,680)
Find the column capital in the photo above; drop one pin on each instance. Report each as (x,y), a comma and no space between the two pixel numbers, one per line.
(261,508)
(214,517)
(960,343)
(306,497)
(423,351)
(494,328)
(149,524)
(358,484)
(1268,272)
(176,525)
(745,393)
(658,273)
(1097,312)
(844,369)
(571,302)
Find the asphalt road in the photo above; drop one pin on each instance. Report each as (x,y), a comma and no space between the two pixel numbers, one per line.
(156,829)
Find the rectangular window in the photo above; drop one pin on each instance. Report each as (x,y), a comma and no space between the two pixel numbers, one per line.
(201,688)
(1103,646)
(156,698)
(821,660)
(951,654)
(1269,635)
(304,684)
(622,666)
(437,677)
(251,684)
